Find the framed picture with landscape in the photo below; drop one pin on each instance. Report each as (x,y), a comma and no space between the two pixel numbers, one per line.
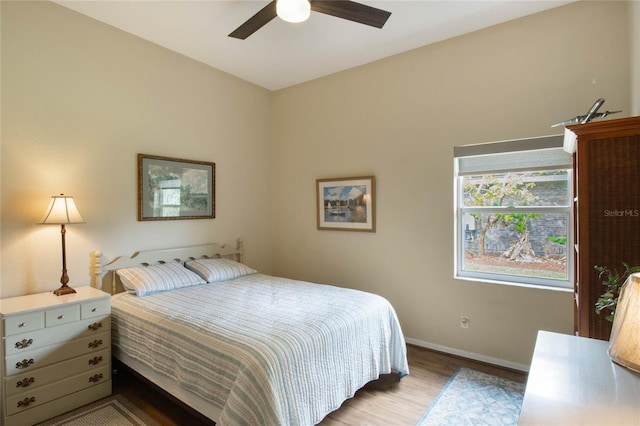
(346,204)
(173,188)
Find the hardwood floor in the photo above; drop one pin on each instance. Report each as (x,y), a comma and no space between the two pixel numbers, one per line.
(387,401)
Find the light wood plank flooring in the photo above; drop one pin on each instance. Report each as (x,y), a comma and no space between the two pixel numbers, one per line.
(387,401)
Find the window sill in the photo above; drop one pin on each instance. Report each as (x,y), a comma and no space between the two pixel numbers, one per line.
(515,284)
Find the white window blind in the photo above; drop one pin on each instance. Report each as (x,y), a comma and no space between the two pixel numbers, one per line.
(543,153)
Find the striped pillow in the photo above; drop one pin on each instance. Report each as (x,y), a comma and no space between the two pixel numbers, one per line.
(153,279)
(214,270)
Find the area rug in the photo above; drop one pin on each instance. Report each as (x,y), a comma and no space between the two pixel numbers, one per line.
(473,398)
(114,410)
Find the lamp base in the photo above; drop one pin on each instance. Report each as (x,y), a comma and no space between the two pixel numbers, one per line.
(65,289)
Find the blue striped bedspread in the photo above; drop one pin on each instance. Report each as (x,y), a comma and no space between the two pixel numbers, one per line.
(265,350)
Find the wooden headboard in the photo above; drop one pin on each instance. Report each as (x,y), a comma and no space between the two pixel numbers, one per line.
(103,276)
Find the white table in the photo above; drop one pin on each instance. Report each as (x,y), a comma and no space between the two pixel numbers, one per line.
(572,381)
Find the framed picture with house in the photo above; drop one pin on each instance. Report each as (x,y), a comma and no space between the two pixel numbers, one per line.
(173,188)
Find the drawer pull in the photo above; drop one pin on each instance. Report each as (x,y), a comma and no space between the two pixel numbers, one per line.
(95,360)
(26,402)
(25,343)
(60,317)
(95,326)
(95,378)
(94,310)
(95,344)
(25,363)
(22,324)
(25,382)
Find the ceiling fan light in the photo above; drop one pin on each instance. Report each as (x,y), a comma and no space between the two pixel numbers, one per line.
(293,10)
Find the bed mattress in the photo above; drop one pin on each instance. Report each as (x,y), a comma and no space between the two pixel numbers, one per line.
(263,350)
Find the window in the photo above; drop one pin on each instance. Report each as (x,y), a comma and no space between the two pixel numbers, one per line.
(513,204)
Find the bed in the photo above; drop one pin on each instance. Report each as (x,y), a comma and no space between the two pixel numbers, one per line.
(244,348)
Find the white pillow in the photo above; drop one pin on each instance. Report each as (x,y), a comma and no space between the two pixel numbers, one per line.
(146,280)
(214,270)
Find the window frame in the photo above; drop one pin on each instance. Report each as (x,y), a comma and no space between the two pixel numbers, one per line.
(531,146)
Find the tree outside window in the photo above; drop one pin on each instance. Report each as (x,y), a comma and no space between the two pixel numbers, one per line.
(513,226)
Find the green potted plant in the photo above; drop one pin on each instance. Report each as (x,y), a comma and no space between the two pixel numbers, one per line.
(613,281)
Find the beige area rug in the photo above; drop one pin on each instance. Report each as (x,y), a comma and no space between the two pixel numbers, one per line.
(114,410)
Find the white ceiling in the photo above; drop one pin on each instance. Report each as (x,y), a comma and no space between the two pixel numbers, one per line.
(281,54)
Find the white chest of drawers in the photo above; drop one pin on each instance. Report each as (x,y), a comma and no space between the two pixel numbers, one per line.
(55,353)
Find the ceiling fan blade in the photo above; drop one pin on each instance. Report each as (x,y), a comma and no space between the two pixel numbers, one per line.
(352,11)
(256,22)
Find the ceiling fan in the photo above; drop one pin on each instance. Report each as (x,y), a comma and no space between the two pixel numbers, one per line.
(299,10)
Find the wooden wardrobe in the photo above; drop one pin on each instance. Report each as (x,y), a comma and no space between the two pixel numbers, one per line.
(606,212)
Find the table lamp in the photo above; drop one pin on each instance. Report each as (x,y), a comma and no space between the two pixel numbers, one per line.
(624,344)
(61,211)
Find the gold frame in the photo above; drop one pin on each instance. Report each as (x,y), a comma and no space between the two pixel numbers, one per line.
(346,204)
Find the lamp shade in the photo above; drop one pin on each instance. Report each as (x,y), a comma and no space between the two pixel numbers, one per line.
(293,10)
(624,344)
(62,210)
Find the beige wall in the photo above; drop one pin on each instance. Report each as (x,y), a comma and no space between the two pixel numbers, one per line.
(399,119)
(79,100)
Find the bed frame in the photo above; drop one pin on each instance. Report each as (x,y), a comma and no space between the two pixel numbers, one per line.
(105,277)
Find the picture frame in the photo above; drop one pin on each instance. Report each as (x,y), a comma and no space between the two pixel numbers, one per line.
(346,204)
(175,189)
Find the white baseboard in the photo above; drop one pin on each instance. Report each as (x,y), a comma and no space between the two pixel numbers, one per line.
(470,355)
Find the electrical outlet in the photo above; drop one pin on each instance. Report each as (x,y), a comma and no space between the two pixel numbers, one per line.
(464,322)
